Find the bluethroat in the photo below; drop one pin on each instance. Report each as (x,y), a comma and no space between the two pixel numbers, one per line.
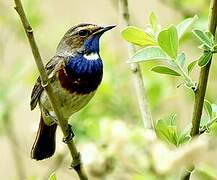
(75,72)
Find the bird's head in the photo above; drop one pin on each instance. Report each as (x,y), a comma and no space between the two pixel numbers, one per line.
(83,38)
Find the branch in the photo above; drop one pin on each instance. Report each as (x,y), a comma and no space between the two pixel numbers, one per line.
(204,74)
(63,123)
(202,84)
(136,70)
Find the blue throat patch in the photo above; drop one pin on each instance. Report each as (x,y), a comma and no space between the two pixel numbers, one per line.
(80,66)
(92,45)
(82,76)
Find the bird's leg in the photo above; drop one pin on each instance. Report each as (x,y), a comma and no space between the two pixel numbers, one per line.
(70,135)
(60,65)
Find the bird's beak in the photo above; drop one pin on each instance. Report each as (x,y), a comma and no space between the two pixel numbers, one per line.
(104,29)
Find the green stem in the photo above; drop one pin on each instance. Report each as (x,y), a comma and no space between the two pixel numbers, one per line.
(186,77)
(63,123)
(202,84)
(204,74)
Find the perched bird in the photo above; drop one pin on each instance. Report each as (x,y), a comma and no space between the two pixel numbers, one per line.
(75,72)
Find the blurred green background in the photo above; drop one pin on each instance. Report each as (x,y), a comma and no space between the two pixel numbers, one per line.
(109,129)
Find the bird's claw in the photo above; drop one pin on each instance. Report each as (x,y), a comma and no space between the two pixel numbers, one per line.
(76,162)
(70,135)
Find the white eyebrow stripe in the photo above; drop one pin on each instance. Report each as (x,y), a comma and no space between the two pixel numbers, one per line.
(91,56)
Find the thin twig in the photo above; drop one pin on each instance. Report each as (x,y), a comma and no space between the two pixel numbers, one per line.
(136,70)
(63,123)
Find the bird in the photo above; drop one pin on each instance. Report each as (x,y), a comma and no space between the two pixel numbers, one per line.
(75,72)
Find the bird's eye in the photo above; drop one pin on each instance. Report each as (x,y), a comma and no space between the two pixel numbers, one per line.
(83,32)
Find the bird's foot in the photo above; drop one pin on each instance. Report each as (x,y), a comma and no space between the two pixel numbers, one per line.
(70,135)
(76,164)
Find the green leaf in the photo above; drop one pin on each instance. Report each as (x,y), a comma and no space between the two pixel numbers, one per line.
(213,129)
(171,120)
(191,66)
(166,132)
(148,54)
(211,37)
(205,58)
(208,108)
(181,59)
(215,48)
(185,25)
(214,108)
(165,70)
(183,138)
(153,20)
(168,41)
(137,36)
(203,37)
(52,176)
(153,27)
(203,122)
(204,47)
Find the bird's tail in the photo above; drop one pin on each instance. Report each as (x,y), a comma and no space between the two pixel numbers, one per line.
(44,145)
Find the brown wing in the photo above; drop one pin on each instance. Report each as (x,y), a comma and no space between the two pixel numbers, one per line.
(38,89)
(36,92)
